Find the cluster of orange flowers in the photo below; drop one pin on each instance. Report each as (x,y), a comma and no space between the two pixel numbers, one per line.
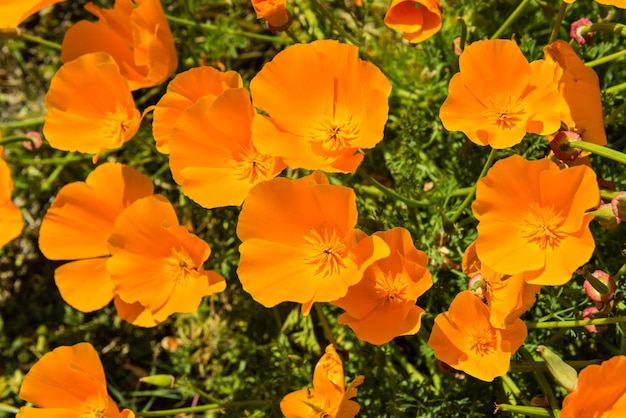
(227,146)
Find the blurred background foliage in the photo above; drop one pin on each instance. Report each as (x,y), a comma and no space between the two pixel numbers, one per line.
(233,350)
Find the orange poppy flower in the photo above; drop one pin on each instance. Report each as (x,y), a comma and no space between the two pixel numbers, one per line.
(77,226)
(418,20)
(90,108)
(14,12)
(532,219)
(274,12)
(158,263)
(69,382)
(299,242)
(329,397)
(182,92)
(499,96)
(464,338)
(579,88)
(382,305)
(508,296)
(601,391)
(11,222)
(341,106)
(211,153)
(135,33)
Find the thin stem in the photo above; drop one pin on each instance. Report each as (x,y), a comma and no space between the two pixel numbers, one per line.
(292,35)
(41,41)
(575,323)
(327,331)
(14,138)
(236,32)
(199,408)
(616,88)
(48,161)
(23,123)
(600,150)
(527,411)
(619,109)
(512,18)
(8,408)
(390,192)
(606,58)
(543,383)
(557,24)
(463,37)
(541,366)
(470,195)
(614,27)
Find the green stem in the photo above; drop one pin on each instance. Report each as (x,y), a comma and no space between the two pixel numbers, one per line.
(57,171)
(14,138)
(8,408)
(512,18)
(576,323)
(48,161)
(333,22)
(22,123)
(599,150)
(557,25)
(236,32)
(200,408)
(619,109)
(618,28)
(470,196)
(543,384)
(606,58)
(327,331)
(541,366)
(390,192)
(41,41)
(527,411)
(292,35)
(463,37)
(616,88)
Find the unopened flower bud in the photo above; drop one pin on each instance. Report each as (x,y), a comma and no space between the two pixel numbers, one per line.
(619,206)
(599,286)
(35,141)
(162,380)
(575,31)
(605,216)
(477,286)
(590,313)
(560,145)
(564,374)
(456,46)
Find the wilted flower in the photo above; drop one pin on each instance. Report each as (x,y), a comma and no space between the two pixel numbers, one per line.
(382,305)
(135,33)
(69,382)
(90,108)
(158,263)
(299,242)
(11,222)
(182,92)
(499,96)
(574,31)
(329,396)
(464,338)
(418,20)
(341,106)
(532,219)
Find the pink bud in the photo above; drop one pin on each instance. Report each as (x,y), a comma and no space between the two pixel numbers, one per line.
(560,145)
(619,205)
(456,46)
(476,285)
(593,293)
(35,141)
(605,216)
(590,313)
(575,31)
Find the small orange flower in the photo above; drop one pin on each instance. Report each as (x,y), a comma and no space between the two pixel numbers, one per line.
(211,153)
(601,391)
(382,305)
(418,20)
(14,12)
(508,296)
(299,242)
(77,226)
(329,397)
(499,96)
(464,338)
(69,382)
(90,108)
(158,263)
(135,33)
(185,90)
(532,219)
(11,222)
(341,106)
(274,12)
(579,88)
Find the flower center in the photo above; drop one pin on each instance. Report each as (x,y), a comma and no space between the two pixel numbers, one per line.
(335,134)
(503,113)
(390,289)
(115,126)
(182,266)
(95,408)
(251,165)
(326,252)
(484,341)
(541,226)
